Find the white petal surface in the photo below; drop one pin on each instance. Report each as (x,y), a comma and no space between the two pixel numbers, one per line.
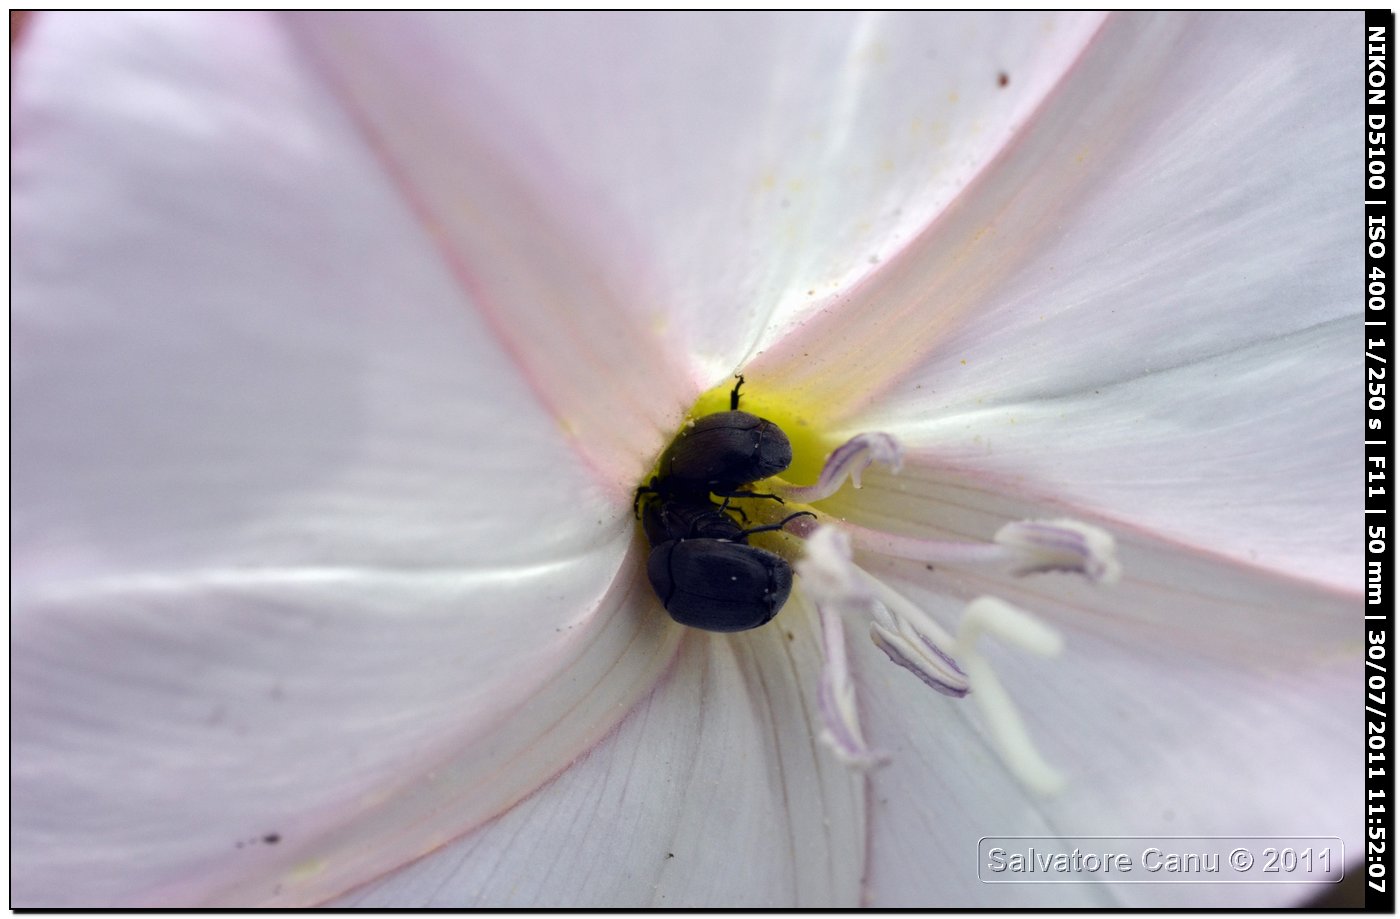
(714,792)
(1143,301)
(296,551)
(274,740)
(733,171)
(1248,452)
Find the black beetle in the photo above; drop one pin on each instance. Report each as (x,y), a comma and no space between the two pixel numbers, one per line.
(705,573)
(719,453)
(701,566)
(718,585)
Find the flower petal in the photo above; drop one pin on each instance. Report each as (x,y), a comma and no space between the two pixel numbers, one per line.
(1167,324)
(1145,218)
(297,553)
(277,739)
(1250,453)
(554,283)
(735,170)
(193,386)
(715,791)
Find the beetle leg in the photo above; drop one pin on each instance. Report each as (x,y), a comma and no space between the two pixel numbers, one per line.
(738,493)
(724,508)
(637,499)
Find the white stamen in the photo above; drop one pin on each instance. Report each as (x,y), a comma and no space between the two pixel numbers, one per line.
(1010,624)
(836,699)
(988,614)
(1062,545)
(908,636)
(915,642)
(1032,546)
(899,628)
(918,549)
(831,581)
(828,573)
(849,459)
(901,652)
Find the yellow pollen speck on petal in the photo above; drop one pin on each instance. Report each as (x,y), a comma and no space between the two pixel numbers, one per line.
(307,869)
(964,362)
(810,447)
(953,97)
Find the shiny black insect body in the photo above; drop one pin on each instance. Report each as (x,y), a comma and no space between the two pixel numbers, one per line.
(721,453)
(717,585)
(704,571)
(701,566)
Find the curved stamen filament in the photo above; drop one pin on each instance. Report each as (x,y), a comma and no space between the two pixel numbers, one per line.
(836,697)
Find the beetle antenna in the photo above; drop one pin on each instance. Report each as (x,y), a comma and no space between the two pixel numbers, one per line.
(734,395)
(779,525)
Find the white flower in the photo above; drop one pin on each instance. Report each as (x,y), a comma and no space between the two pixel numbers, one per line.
(341,342)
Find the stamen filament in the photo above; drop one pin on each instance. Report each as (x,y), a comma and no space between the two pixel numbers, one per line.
(1031,546)
(942,551)
(1014,626)
(836,697)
